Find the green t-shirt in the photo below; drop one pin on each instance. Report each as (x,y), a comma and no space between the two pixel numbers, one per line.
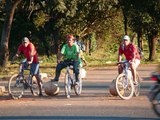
(70,53)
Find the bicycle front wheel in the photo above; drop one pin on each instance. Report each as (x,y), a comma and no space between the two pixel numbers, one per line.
(67,86)
(78,87)
(156,103)
(124,87)
(16,86)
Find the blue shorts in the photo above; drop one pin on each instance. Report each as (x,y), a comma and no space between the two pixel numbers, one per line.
(34,69)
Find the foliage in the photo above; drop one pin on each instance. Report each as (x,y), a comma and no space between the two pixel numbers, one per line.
(93,42)
(143,18)
(47,22)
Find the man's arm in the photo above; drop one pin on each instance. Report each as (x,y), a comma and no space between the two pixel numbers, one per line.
(31,54)
(59,57)
(120,52)
(15,57)
(133,54)
(119,57)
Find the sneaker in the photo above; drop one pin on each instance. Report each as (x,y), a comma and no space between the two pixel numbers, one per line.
(40,95)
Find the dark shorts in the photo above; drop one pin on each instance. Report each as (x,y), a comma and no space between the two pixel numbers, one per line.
(34,70)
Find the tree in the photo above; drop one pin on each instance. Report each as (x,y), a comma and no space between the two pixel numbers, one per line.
(143,17)
(10,9)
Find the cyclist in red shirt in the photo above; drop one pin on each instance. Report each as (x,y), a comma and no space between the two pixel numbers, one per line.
(29,51)
(131,54)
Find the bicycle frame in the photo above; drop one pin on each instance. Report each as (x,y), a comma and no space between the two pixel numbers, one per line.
(70,81)
(23,68)
(124,83)
(17,83)
(127,72)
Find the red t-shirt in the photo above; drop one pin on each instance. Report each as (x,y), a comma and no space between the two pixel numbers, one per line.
(128,51)
(27,52)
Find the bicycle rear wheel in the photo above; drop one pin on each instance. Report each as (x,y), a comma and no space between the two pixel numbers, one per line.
(78,87)
(137,87)
(16,86)
(67,86)
(124,90)
(156,103)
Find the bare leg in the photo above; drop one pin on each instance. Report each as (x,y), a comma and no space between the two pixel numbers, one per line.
(39,81)
(133,70)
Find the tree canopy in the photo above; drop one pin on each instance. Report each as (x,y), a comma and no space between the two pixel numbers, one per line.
(46,22)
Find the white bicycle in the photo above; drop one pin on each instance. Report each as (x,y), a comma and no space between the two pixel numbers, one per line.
(69,82)
(124,83)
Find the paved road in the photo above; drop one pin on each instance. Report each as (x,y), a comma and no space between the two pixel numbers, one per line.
(94,103)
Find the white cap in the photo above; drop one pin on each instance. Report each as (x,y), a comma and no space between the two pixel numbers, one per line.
(25,39)
(126,37)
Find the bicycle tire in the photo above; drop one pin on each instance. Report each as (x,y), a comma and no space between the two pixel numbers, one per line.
(124,93)
(156,103)
(78,87)
(67,86)
(16,86)
(137,87)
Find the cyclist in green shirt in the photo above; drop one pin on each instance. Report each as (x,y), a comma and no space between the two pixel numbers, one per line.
(70,53)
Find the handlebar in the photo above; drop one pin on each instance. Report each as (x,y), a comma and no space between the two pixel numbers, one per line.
(18,63)
(123,62)
(68,62)
(23,65)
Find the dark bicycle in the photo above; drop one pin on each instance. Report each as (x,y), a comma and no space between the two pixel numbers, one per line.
(19,83)
(154,94)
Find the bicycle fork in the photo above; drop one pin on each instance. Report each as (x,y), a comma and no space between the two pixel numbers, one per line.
(127,78)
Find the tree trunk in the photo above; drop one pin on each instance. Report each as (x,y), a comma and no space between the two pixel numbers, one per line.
(10,9)
(153,49)
(152,46)
(125,23)
(56,41)
(139,40)
(42,38)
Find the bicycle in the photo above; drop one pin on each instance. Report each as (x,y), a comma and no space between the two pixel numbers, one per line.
(19,83)
(124,83)
(69,82)
(154,93)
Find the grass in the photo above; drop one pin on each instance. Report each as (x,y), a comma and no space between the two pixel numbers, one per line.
(99,58)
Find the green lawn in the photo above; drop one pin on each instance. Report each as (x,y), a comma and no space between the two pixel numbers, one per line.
(98,58)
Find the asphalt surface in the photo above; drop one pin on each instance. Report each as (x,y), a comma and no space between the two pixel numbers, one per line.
(95,102)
